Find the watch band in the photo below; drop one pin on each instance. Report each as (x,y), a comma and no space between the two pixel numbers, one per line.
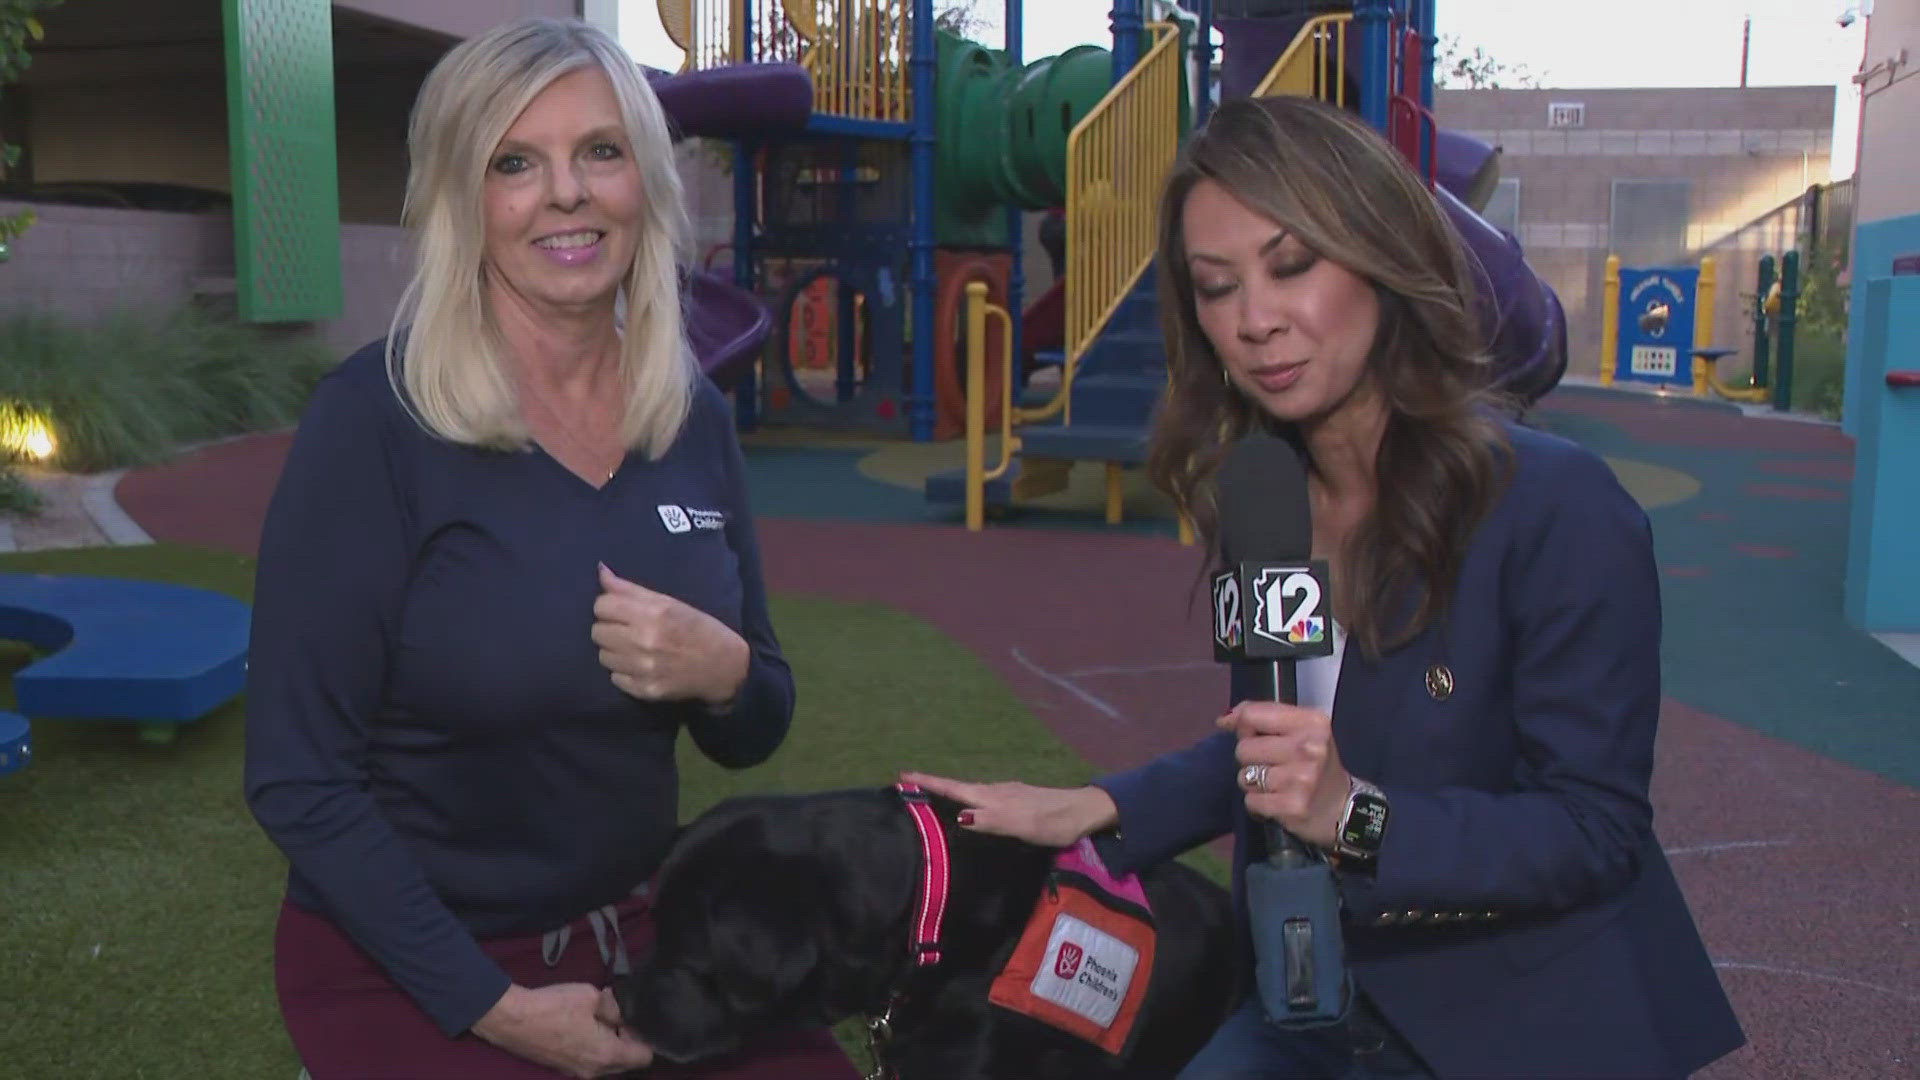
(1362,828)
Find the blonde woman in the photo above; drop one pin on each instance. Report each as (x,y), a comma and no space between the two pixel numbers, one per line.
(509,559)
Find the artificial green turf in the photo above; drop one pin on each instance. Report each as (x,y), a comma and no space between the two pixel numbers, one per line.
(137,897)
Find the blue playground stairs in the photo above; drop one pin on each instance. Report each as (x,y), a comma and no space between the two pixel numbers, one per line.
(1114,394)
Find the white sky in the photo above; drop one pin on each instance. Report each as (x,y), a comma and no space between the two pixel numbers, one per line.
(1596,43)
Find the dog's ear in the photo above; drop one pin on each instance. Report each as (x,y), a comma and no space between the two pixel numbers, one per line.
(734,948)
(765,938)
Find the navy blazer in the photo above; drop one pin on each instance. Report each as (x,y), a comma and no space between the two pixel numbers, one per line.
(1523,920)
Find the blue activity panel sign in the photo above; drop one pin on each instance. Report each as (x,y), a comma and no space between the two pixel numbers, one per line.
(1656,325)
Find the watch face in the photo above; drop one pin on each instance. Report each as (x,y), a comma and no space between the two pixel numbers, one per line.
(1366,825)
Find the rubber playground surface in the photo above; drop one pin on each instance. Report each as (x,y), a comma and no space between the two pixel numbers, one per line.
(1787,784)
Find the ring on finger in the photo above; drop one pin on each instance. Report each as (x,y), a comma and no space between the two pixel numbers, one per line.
(1254,778)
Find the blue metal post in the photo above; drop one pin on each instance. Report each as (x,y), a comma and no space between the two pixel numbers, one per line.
(844,316)
(1429,41)
(1127,24)
(920,397)
(1203,51)
(1016,219)
(1420,20)
(746,403)
(1376,59)
(746,394)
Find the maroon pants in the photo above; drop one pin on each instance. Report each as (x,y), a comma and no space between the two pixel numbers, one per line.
(348,1021)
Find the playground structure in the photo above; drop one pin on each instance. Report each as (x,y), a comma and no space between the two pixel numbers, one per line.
(1113,370)
(869,216)
(1645,308)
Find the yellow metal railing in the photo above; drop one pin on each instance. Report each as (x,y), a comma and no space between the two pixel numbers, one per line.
(978,310)
(1314,66)
(1709,282)
(855,50)
(1117,157)
(1609,320)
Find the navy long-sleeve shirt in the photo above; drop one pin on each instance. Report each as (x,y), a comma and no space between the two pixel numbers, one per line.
(431,738)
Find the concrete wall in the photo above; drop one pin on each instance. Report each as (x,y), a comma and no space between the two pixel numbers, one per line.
(1883,580)
(1889,154)
(82,263)
(172,130)
(457,18)
(176,131)
(1738,154)
(371,107)
(1887,195)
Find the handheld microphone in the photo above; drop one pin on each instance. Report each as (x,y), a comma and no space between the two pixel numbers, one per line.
(1270,609)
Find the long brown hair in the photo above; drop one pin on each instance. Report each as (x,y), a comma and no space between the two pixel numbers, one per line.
(1349,196)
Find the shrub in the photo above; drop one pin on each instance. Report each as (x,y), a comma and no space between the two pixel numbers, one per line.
(15,496)
(1820,334)
(129,389)
(1819,372)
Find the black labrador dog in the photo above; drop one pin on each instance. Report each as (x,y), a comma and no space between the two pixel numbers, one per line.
(796,910)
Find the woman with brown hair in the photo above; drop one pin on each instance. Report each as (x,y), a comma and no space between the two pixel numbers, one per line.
(1494,689)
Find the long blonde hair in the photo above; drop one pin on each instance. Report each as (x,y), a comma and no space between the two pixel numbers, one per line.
(1350,197)
(445,355)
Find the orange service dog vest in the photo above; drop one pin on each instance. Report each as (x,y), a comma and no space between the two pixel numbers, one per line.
(1086,955)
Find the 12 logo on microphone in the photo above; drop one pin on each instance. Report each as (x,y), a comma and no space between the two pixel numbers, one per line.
(1271,611)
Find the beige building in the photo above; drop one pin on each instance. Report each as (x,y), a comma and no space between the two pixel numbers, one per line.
(133,92)
(1659,177)
(1890,105)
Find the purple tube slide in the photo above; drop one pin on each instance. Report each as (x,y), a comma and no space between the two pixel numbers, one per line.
(727,325)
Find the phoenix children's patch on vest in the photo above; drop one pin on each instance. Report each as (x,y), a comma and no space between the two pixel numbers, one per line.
(1086,955)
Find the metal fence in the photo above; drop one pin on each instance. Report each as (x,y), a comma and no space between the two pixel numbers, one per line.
(855,50)
(1828,218)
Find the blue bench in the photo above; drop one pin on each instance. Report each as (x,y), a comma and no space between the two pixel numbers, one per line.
(16,743)
(157,654)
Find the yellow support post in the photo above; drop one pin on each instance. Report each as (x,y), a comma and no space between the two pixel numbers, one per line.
(1115,487)
(1186,531)
(978,475)
(1703,323)
(976,405)
(1609,320)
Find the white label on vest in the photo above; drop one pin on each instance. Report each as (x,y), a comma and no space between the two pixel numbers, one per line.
(1086,971)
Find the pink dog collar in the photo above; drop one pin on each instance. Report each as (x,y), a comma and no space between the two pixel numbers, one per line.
(930,907)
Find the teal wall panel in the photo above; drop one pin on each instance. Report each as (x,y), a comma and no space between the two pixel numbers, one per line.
(280,129)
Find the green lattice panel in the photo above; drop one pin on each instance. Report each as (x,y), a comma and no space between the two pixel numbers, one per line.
(286,198)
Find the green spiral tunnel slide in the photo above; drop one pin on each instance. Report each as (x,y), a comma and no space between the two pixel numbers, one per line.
(1001,133)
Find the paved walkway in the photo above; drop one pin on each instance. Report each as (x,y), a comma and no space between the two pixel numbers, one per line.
(1785,737)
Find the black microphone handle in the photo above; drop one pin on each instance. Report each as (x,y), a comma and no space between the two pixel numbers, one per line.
(1283,685)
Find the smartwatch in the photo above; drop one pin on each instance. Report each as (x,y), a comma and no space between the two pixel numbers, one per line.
(1363,827)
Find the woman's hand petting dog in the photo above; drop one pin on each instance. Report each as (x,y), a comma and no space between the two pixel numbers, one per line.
(572,1027)
(658,648)
(1049,817)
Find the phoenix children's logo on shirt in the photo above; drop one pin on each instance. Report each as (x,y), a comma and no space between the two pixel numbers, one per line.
(679,519)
